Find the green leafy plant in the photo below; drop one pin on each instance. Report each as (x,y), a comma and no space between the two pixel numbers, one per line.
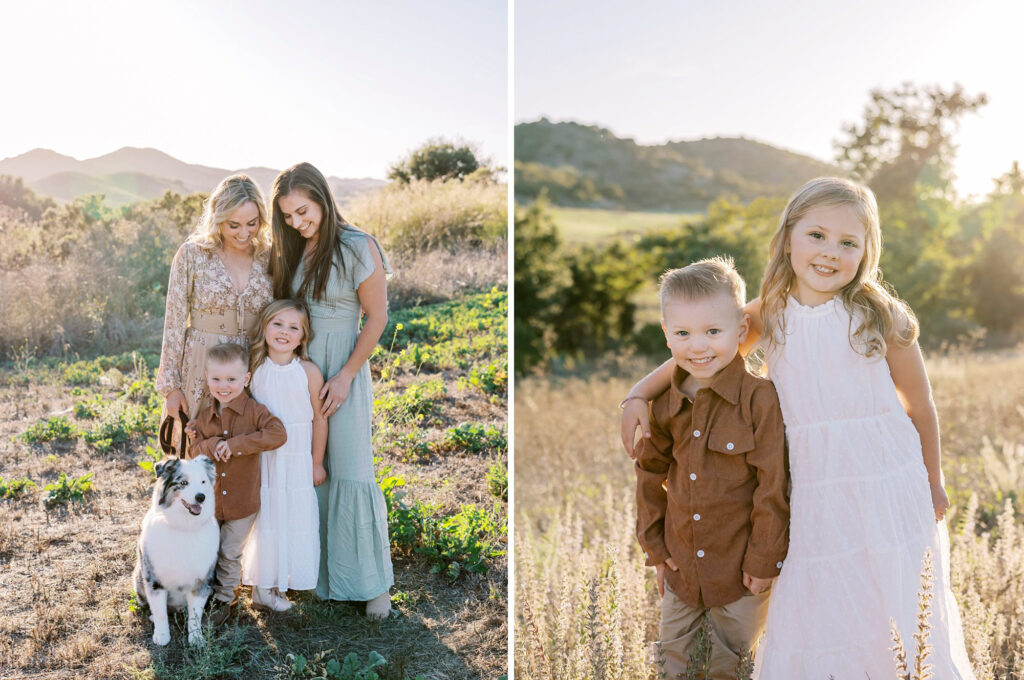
(14,488)
(497,480)
(475,438)
(489,379)
(53,429)
(68,489)
(324,666)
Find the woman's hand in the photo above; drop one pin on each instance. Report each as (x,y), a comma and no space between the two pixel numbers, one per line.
(334,393)
(940,502)
(175,402)
(634,414)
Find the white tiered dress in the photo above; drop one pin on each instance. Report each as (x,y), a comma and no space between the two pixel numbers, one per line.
(861,516)
(283,550)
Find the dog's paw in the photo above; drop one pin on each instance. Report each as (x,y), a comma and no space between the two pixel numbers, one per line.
(196,639)
(161,637)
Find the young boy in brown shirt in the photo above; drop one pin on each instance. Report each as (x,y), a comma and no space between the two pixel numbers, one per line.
(712,511)
(233,430)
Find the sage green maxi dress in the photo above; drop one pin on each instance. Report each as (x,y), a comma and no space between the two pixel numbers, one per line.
(355,554)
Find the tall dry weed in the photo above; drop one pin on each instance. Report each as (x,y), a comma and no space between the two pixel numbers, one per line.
(424,215)
(574,527)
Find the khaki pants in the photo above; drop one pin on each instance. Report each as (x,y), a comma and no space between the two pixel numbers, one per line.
(735,628)
(233,534)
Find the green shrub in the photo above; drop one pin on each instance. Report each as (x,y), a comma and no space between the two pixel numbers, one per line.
(54,429)
(475,438)
(65,489)
(490,379)
(497,480)
(411,405)
(13,488)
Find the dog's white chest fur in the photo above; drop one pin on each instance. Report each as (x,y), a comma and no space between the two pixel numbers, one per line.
(180,558)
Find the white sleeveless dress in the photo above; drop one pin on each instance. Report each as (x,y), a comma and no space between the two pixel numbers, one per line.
(861,516)
(283,550)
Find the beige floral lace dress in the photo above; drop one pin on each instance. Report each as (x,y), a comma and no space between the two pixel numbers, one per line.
(205,309)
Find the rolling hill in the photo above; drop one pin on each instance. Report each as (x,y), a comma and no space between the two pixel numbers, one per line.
(132,174)
(586,165)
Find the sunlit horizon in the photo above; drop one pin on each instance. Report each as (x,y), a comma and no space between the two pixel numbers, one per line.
(349,87)
(789,74)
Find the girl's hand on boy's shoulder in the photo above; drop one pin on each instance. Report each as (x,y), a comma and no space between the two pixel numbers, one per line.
(634,414)
(940,502)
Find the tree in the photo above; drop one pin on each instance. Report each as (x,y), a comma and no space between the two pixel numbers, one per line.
(904,151)
(906,139)
(541,277)
(437,159)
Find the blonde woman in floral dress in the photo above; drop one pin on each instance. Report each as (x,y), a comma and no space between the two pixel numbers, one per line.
(217,287)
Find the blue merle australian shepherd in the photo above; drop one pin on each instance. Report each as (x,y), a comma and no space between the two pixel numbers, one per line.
(177,551)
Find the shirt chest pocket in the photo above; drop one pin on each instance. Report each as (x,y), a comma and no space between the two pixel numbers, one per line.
(726,451)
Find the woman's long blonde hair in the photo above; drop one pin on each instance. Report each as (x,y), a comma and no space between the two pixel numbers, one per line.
(258,340)
(881,315)
(232,192)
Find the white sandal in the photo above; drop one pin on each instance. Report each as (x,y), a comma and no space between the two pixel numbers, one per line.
(270,598)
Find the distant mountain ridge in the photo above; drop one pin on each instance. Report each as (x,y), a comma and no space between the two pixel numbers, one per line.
(587,165)
(133,174)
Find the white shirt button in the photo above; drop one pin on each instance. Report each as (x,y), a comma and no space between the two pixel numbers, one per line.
(225,431)
(700,553)
(223,493)
(696,433)
(693,476)
(696,517)
(223,474)
(778,565)
(730,446)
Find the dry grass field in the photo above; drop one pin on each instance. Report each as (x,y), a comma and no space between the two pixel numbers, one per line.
(441,429)
(586,606)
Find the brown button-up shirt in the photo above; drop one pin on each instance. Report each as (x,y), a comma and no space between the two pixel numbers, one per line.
(248,428)
(711,486)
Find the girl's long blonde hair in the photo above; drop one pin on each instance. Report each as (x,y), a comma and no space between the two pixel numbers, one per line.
(873,304)
(232,192)
(258,341)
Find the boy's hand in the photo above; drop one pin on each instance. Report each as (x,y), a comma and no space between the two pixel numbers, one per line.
(756,585)
(222,452)
(940,502)
(319,475)
(661,574)
(634,414)
(191,431)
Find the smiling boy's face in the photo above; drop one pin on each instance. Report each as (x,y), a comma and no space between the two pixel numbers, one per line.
(226,380)
(704,334)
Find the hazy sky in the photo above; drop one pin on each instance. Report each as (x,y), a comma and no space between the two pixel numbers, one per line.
(789,73)
(350,86)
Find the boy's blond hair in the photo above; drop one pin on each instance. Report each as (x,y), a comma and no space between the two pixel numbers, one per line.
(227,352)
(703,279)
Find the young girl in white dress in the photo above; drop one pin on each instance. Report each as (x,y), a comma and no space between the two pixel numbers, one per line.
(283,551)
(864,451)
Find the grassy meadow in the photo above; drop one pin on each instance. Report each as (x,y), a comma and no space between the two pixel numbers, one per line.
(78,418)
(587,225)
(586,606)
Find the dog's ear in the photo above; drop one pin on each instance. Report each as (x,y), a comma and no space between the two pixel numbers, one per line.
(209,467)
(166,468)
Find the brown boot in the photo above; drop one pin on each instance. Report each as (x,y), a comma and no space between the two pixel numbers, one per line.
(222,612)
